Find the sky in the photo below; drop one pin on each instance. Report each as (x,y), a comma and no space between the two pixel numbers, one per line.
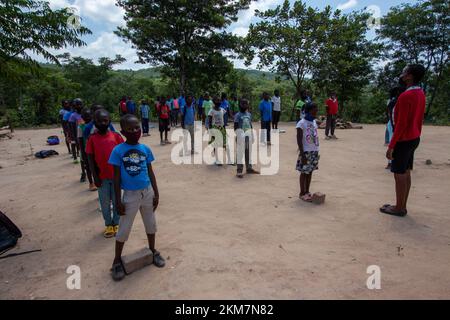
(103,17)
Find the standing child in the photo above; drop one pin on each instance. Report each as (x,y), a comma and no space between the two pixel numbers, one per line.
(216,121)
(98,149)
(133,173)
(145,117)
(225,105)
(163,111)
(265,108)
(276,111)
(65,123)
(86,115)
(188,123)
(243,127)
(74,120)
(308,144)
(200,108)
(332,111)
(207,106)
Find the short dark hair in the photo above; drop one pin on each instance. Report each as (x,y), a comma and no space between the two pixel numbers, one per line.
(417,71)
(101,112)
(127,118)
(310,106)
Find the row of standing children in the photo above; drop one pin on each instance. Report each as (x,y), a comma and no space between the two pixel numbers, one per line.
(115,166)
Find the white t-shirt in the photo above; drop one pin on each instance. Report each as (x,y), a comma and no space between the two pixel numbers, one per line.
(276,103)
(217,117)
(310,136)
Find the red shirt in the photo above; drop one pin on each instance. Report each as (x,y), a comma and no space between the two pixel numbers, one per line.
(163,111)
(101,147)
(333,106)
(408,116)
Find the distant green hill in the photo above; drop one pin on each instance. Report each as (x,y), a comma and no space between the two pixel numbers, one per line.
(155,72)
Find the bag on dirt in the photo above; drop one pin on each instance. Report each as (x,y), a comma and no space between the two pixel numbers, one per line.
(45,154)
(9,233)
(53,140)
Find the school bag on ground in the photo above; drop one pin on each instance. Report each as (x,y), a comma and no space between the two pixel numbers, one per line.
(9,233)
(45,154)
(53,140)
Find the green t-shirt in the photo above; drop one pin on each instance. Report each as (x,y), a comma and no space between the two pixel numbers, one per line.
(207,106)
(234,106)
(300,104)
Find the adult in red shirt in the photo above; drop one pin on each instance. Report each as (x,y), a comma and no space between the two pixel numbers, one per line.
(408,119)
(332,111)
(163,111)
(98,150)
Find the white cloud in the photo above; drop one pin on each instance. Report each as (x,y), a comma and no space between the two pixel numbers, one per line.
(240,31)
(108,45)
(348,5)
(245,16)
(99,11)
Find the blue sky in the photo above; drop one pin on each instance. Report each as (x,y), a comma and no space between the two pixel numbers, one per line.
(103,17)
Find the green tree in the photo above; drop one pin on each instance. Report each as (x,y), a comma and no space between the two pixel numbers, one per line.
(181,35)
(90,76)
(420,33)
(32,26)
(346,59)
(288,40)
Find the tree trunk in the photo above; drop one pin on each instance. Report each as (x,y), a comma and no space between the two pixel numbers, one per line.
(297,96)
(433,96)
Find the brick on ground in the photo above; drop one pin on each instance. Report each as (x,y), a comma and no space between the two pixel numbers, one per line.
(137,260)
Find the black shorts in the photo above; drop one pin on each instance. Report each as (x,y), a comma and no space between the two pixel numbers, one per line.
(163,125)
(404,156)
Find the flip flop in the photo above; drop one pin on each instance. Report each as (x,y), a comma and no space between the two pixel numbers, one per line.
(307,197)
(390,210)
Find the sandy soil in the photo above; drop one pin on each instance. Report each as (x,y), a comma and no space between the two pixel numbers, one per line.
(224,238)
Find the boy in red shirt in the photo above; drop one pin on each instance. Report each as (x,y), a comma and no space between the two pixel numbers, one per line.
(332,110)
(408,119)
(163,111)
(98,150)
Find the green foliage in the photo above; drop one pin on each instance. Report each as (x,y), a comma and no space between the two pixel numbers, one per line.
(186,37)
(31,26)
(420,33)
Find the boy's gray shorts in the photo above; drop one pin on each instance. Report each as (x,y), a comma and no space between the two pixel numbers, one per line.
(134,201)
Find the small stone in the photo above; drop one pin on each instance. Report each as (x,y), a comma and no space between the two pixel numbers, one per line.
(428,162)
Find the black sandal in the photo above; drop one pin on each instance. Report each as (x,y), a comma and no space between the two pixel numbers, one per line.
(158,261)
(118,271)
(390,210)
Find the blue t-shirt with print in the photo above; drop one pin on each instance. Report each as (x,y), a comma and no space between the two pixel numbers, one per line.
(133,161)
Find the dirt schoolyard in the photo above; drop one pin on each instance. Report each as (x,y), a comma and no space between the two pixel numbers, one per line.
(225,238)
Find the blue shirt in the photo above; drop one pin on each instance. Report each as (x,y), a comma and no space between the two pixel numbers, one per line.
(131,106)
(189,118)
(133,161)
(265,107)
(181,102)
(90,127)
(200,102)
(225,105)
(145,111)
(67,115)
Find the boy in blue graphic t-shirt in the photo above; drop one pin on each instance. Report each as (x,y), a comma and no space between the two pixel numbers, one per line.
(134,174)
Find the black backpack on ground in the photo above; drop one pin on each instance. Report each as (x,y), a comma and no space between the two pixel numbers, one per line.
(45,154)
(9,233)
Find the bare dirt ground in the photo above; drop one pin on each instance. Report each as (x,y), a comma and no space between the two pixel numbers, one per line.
(229,239)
